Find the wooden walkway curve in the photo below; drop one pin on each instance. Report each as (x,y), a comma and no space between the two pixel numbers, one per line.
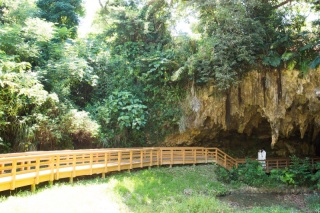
(32,168)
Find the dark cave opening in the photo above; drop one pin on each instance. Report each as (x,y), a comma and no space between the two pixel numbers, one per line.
(253,138)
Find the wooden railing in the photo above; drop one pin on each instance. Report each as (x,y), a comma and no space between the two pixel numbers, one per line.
(277,163)
(32,168)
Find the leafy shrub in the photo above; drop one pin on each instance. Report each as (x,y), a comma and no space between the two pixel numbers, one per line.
(225,175)
(121,114)
(252,173)
(284,176)
(83,130)
(300,171)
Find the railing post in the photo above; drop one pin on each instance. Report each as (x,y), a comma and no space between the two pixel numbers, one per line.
(216,154)
(206,155)
(105,164)
(91,162)
(151,159)
(158,156)
(131,159)
(74,168)
(51,170)
(119,160)
(57,167)
(141,158)
(171,156)
(37,170)
(14,173)
(225,161)
(161,157)
(183,156)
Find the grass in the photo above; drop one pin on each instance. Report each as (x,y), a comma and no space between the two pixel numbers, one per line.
(178,189)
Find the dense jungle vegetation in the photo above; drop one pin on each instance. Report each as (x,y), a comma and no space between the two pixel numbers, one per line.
(122,84)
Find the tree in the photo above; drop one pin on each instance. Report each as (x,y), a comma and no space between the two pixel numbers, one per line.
(70,76)
(63,12)
(26,42)
(16,12)
(21,97)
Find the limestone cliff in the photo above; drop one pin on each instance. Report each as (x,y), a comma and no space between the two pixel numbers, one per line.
(269,106)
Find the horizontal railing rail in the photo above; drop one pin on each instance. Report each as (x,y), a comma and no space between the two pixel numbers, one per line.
(278,163)
(32,168)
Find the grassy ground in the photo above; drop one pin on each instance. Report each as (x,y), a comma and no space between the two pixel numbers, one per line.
(177,189)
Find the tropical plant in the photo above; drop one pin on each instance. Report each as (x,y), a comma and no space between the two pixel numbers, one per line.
(121,115)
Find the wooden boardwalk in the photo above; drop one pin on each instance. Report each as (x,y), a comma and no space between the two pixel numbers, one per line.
(32,168)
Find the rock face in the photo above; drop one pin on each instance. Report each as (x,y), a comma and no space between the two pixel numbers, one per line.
(273,108)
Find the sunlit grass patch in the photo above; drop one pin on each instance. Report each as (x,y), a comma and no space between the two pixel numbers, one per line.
(185,188)
(178,189)
(83,196)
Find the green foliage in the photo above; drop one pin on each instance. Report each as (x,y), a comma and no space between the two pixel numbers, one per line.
(225,175)
(231,43)
(81,128)
(126,109)
(316,176)
(133,52)
(134,21)
(285,176)
(299,173)
(239,36)
(64,12)
(301,170)
(16,12)
(25,42)
(21,96)
(138,47)
(252,173)
(70,77)
(120,114)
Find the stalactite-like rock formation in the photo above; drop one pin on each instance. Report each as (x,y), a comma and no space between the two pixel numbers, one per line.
(261,113)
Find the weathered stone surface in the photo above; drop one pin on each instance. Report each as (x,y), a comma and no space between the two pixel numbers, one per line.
(264,110)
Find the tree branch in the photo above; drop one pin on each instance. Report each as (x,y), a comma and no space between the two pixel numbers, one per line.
(103,7)
(101,4)
(281,4)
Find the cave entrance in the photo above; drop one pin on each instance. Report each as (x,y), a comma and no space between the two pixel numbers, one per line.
(317,145)
(246,144)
